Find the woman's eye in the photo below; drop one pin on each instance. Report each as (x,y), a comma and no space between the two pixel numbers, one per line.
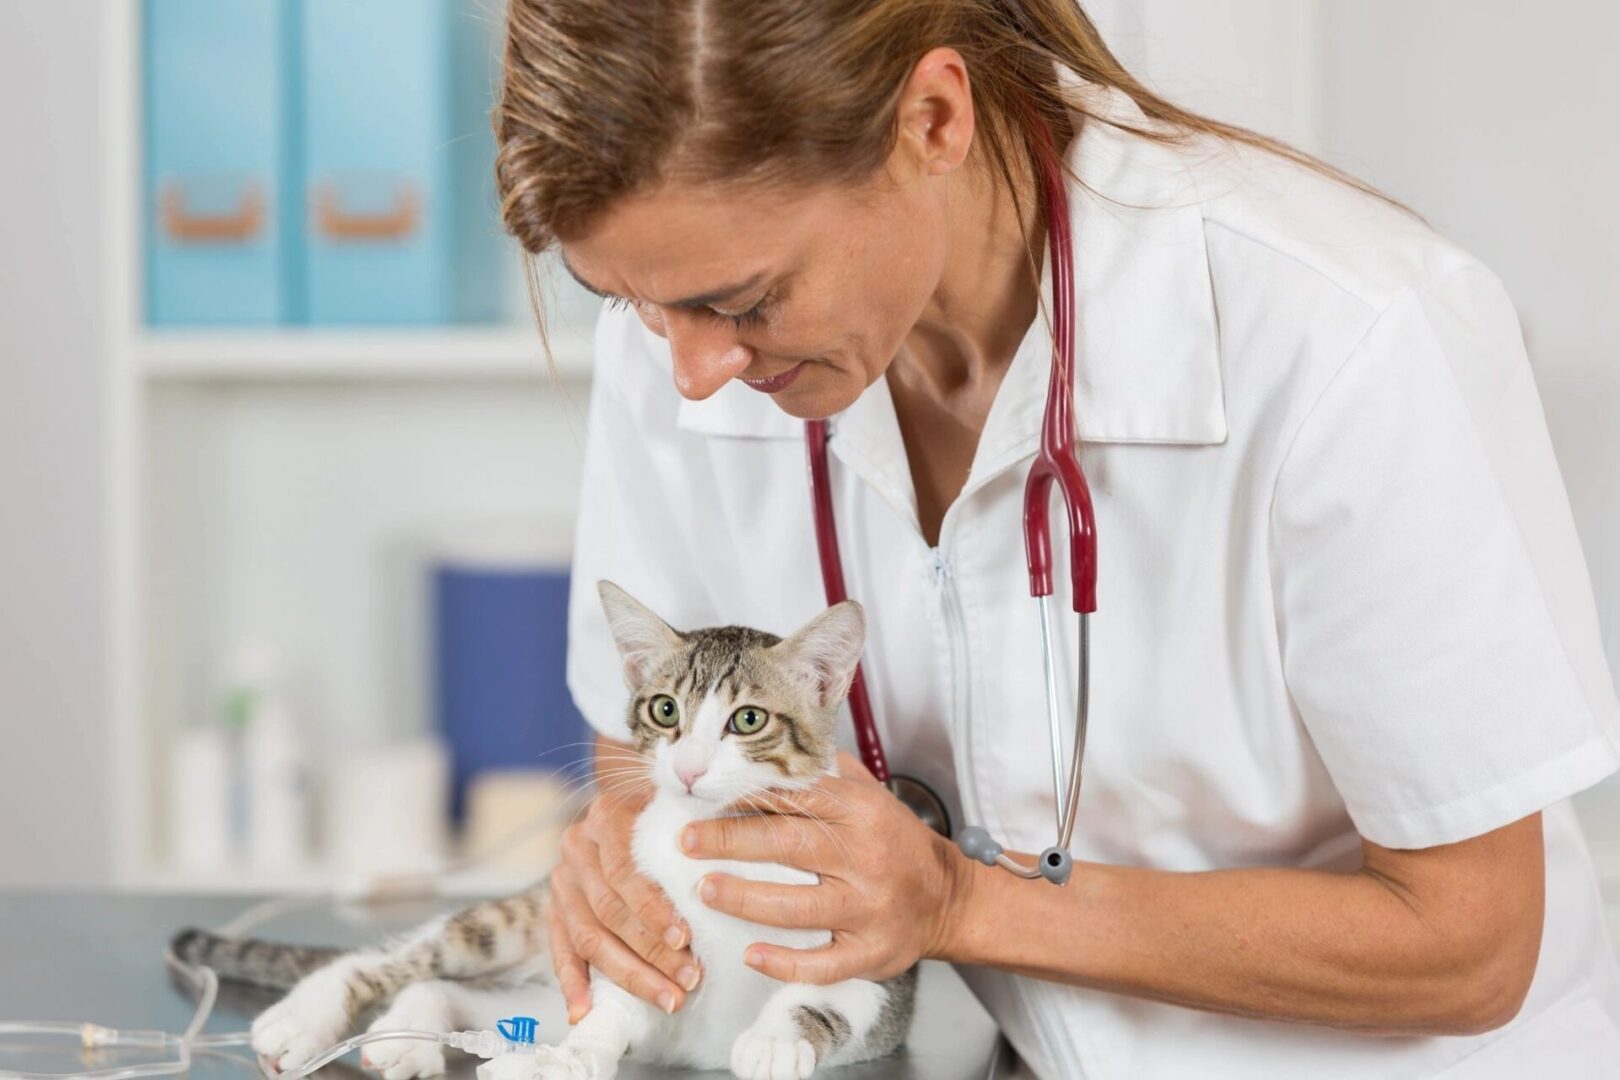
(663,711)
(747,720)
(752,317)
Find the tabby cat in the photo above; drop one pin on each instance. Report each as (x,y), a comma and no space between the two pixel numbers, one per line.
(715,714)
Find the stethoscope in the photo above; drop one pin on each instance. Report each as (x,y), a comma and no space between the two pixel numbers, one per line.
(1055,463)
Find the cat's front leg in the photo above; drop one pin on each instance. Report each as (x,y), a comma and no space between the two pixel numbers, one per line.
(803,1027)
(314,1015)
(592,1048)
(424,1006)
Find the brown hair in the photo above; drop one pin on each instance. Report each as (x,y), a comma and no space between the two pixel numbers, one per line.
(601,98)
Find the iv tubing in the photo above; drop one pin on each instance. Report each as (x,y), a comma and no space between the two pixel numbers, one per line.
(205,981)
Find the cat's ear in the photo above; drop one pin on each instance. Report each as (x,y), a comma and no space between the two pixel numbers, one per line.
(645,641)
(826,649)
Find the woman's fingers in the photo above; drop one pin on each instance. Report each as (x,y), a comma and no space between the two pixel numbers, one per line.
(796,841)
(631,907)
(832,799)
(830,964)
(645,900)
(602,949)
(573,975)
(795,907)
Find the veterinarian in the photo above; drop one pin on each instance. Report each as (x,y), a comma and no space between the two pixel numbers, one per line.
(1346,660)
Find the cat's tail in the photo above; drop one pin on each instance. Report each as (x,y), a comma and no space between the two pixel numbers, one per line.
(269,964)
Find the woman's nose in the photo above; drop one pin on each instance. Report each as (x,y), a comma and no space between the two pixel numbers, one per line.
(707,355)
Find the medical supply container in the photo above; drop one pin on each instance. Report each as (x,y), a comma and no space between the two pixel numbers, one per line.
(217,208)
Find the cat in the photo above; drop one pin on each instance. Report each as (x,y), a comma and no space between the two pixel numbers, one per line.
(716,715)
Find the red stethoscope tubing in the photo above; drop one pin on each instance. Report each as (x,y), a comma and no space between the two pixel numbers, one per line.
(832,578)
(1055,463)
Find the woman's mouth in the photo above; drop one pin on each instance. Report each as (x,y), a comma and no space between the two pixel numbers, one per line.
(772,383)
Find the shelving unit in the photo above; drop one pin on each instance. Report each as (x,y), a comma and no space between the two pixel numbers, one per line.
(288,483)
(341,355)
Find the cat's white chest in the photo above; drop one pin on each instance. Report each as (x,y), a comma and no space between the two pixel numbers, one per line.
(656,846)
(729,997)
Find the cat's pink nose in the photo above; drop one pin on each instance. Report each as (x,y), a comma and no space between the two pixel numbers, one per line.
(689,775)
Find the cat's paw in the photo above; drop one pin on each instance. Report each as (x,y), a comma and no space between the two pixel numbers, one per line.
(305,1022)
(546,1063)
(403,1059)
(419,1007)
(772,1052)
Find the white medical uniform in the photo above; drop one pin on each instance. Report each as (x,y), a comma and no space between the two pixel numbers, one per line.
(1340,592)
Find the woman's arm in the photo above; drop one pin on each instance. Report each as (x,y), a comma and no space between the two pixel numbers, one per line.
(1442,940)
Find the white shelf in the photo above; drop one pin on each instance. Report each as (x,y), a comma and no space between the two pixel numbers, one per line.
(456,353)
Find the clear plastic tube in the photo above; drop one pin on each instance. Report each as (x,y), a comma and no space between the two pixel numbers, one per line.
(205,983)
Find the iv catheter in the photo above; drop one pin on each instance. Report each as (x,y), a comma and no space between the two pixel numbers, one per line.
(1056,464)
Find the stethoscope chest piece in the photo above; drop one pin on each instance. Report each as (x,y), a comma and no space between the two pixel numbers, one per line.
(920,799)
(1055,863)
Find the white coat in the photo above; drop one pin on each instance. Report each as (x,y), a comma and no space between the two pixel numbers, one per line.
(1340,592)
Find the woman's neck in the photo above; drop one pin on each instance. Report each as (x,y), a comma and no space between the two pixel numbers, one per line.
(945,378)
(987,297)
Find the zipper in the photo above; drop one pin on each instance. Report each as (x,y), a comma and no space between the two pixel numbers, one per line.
(1058,1043)
(960,715)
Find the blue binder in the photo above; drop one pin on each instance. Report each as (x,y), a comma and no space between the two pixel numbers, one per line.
(216,206)
(500,644)
(400,225)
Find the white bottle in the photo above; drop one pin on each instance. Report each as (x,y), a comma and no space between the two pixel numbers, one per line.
(275,773)
(278,789)
(200,799)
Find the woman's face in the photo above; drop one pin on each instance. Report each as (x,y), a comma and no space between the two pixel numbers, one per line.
(805,295)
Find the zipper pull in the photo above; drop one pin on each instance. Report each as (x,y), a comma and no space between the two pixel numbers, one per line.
(941,568)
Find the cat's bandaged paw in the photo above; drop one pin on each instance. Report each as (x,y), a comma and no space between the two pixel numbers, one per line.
(771,1052)
(546,1063)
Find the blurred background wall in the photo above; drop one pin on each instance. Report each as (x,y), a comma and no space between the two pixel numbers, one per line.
(53,446)
(1492,118)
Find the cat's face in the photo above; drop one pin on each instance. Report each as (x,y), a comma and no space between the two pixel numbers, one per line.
(724,712)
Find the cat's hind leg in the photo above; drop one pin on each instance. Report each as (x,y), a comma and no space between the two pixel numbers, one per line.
(802,1027)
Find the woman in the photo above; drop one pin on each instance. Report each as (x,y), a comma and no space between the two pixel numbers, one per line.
(1346,659)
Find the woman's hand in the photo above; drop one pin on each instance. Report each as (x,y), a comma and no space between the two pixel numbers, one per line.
(887,880)
(605,914)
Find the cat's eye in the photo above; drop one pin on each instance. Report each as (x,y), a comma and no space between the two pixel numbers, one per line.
(747,720)
(663,711)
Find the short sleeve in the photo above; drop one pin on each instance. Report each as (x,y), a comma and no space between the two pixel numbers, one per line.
(1426,642)
(628,530)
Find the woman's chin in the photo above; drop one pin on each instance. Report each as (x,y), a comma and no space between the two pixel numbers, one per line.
(810,398)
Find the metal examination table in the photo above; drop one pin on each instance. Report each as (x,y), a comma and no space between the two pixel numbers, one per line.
(98,957)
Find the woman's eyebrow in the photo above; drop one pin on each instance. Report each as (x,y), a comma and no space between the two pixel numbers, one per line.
(702,300)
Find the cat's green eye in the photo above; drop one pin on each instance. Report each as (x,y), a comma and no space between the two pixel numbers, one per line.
(747,720)
(663,711)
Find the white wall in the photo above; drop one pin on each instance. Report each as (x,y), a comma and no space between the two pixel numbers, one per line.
(1493,117)
(1496,120)
(52,707)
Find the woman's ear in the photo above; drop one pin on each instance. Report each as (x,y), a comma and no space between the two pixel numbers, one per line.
(935,111)
(825,651)
(645,641)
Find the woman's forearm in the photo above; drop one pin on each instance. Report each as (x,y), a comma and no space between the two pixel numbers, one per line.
(1341,949)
